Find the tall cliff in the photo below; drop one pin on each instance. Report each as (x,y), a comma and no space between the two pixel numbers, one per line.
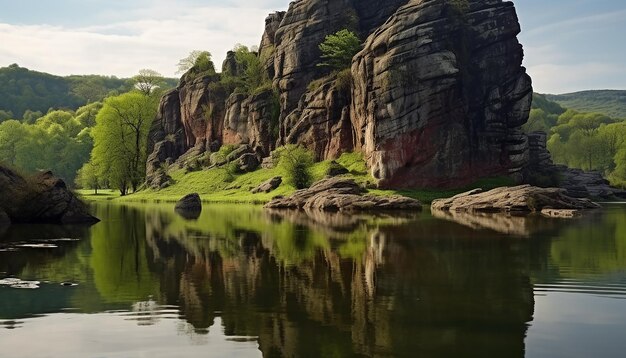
(436,97)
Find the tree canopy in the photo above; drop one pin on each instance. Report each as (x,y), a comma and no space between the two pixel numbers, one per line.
(121,135)
(338,49)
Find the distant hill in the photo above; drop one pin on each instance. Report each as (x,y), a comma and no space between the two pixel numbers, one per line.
(609,102)
(24,90)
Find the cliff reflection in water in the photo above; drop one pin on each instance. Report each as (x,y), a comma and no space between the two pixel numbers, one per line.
(319,285)
(339,285)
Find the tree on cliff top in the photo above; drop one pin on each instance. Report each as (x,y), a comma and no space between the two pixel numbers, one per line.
(147,81)
(198,61)
(338,49)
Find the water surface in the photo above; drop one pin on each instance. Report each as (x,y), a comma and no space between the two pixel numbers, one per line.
(241,282)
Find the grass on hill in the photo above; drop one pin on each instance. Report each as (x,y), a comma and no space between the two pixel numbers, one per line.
(216,185)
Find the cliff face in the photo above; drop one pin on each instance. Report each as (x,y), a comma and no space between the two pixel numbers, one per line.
(436,97)
(440,94)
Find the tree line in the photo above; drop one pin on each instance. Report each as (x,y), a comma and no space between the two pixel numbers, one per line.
(584,140)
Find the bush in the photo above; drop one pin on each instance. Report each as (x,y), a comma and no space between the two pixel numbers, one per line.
(338,49)
(295,162)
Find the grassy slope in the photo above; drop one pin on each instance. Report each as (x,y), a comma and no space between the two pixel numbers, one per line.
(213,187)
(608,102)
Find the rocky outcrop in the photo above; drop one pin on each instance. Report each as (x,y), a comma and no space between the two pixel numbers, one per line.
(436,98)
(268,186)
(40,199)
(267,48)
(341,194)
(321,122)
(202,109)
(578,183)
(520,199)
(190,202)
(440,95)
(305,25)
(251,120)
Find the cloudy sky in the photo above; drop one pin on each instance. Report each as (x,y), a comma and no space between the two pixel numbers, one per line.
(570,44)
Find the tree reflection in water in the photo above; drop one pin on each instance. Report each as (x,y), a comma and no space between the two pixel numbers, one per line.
(322,285)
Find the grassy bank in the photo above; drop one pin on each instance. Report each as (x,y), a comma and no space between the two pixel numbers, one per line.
(218,186)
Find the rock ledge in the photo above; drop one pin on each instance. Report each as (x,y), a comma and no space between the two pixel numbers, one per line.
(341,194)
(520,199)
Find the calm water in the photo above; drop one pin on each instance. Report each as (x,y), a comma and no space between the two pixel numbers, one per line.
(241,282)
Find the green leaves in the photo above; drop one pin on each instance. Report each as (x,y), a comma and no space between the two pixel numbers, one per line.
(339,49)
(120,136)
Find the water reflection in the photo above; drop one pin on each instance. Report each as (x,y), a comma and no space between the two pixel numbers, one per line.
(321,285)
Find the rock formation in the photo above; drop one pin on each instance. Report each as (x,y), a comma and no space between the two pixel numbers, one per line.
(521,199)
(436,98)
(578,183)
(440,95)
(340,194)
(40,199)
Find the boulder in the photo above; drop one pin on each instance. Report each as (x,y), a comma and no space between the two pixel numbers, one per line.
(440,95)
(190,202)
(248,162)
(516,200)
(44,198)
(342,194)
(268,186)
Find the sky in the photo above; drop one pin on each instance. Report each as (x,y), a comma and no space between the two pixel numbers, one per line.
(570,45)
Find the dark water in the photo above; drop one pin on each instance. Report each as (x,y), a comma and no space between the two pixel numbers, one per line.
(241,282)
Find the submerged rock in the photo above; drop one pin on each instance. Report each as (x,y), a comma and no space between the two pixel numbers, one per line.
(342,194)
(519,199)
(189,203)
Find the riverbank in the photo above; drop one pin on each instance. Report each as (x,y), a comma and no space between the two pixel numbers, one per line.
(216,185)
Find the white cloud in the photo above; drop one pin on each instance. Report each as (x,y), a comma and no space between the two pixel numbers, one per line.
(156,40)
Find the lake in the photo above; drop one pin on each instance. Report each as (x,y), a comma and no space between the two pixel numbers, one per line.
(238,281)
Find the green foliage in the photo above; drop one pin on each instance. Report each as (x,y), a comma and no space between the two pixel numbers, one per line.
(608,102)
(88,177)
(248,75)
(120,139)
(5,115)
(58,141)
(147,81)
(22,90)
(296,163)
(338,49)
(199,61)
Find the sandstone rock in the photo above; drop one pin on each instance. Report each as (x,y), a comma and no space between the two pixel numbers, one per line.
(340,194)
(251,120)
(440,94)
(542,171)
(268,186)
(268,45)
(248,162)
(520,199)
(43,199)
(321,122)
(305,25)
(561,213)
(190,202)
(202,108)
